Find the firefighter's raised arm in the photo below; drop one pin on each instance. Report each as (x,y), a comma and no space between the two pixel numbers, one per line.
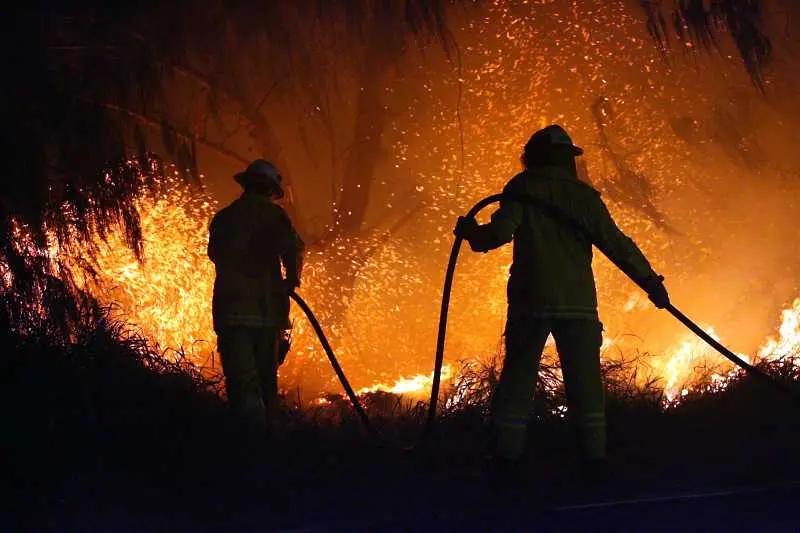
(625,254)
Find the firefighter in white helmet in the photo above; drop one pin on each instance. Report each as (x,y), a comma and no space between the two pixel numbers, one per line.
(249,241)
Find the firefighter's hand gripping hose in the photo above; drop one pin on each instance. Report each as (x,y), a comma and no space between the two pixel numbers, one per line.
(362,414)
(448,285)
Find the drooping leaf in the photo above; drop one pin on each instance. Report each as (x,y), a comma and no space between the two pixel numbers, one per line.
(699,23)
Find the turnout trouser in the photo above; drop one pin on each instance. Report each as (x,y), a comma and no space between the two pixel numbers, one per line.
(250,363)
(578,343)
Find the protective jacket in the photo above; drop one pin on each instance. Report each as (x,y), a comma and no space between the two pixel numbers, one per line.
(248,241)
(551,274)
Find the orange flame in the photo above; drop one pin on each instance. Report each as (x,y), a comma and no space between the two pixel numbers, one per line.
(418,385)
(388,330)
(788,344)
(168,298)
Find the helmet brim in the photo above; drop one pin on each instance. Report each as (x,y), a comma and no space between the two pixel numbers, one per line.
(242,178)
(531,148)
(246,178)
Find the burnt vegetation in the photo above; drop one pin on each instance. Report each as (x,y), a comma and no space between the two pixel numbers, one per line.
(102,431)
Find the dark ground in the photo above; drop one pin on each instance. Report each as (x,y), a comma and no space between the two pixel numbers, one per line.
(102,444)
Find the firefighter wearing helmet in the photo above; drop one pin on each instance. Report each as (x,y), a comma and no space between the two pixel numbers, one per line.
(249,241)
(551,290)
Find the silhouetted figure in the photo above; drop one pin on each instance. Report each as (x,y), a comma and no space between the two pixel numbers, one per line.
(248,242)
(551,289)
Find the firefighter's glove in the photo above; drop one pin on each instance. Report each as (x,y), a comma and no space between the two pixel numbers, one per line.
(466,228)
(656,291)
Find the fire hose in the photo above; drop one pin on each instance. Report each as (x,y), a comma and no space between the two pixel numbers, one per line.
(362,414)
(442,332)
(552,210)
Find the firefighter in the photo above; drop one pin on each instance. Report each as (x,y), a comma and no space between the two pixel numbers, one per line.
(551,290)
(249,241)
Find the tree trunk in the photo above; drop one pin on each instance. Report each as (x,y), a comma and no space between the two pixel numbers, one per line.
(366,148)
(268,144)
(359,168)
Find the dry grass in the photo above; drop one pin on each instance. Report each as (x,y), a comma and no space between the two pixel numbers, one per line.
(107,419)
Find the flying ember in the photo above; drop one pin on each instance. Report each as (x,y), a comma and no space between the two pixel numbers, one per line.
(169,299)
(658,147)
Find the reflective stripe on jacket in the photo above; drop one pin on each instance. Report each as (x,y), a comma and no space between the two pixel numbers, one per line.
(248,241)
(551,274)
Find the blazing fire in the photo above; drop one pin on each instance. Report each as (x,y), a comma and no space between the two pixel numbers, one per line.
(693,359)
(167,298)
(413,386)
(788,344)
(514,81)
(690,361)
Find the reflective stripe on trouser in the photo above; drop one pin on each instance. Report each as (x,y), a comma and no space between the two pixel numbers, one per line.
(249,362)
(578,342)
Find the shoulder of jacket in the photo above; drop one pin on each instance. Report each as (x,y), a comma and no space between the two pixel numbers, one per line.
(276,208)
(525,178)
(223,213)
(573,181)
(591,188)
(275,211)
(254,204)
(517,183)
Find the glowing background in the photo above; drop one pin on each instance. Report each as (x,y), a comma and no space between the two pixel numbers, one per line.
(730,263)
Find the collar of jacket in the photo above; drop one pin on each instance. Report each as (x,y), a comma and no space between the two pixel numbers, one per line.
(255,197)
(556,173)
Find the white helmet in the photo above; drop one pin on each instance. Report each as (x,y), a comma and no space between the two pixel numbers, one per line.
(261,171)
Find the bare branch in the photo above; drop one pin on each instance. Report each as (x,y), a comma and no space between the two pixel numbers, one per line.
(182,134)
